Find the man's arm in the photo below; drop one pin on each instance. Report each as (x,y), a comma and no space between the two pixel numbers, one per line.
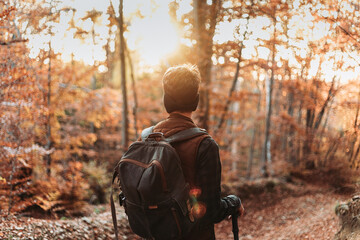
(208,179)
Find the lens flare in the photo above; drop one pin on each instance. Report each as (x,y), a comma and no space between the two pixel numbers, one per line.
(198,208)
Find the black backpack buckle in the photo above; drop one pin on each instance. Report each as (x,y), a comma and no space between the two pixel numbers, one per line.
(122,199)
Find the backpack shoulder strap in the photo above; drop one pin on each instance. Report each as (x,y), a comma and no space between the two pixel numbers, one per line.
(146,132)
(186,134)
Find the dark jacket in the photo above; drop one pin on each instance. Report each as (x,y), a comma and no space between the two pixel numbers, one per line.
(202,169)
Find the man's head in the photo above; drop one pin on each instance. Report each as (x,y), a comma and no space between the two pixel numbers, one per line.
(181,88)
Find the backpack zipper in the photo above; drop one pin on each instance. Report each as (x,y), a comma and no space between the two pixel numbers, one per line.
(144,165)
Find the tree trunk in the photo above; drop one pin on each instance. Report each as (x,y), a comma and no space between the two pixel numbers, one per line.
(266,153)
(323,128)
(133,85)
(199,24)
(228,100)
(124,121)
(299,117)
(287,139)
(310,118)
(309,138)
(353,142)
(13,168)
(93,87)
(289,143)
(48,126)
(353,162)
(253,137)
(332,149)
(325,105)
(204,39)
(93,78)
(108,58)
(313,124)
(235,79)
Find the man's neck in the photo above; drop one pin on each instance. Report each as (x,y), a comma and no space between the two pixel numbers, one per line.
(186,114)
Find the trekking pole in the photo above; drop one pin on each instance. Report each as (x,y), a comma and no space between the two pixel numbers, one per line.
(235,227)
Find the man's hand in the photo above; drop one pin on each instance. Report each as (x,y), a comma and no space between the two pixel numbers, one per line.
(241,211)
(234,205)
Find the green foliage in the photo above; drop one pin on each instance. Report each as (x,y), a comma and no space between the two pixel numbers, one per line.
(98,179)
(99,210)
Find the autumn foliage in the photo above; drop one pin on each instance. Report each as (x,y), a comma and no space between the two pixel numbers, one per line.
(281,97)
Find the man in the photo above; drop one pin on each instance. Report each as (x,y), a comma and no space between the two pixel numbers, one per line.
(199,156)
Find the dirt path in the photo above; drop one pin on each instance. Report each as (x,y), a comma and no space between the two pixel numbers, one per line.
(309,216)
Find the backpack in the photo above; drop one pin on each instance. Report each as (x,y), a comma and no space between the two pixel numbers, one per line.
(154,192)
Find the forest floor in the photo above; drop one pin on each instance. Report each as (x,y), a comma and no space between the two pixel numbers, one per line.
(306,213)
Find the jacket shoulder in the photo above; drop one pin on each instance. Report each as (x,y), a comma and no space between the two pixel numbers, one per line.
(208,141)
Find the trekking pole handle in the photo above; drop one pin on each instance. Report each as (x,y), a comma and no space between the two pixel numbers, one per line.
(235,227)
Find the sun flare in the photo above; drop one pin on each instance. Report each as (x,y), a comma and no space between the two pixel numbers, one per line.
(151,34)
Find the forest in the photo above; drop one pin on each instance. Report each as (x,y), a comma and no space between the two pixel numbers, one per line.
(280,94)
